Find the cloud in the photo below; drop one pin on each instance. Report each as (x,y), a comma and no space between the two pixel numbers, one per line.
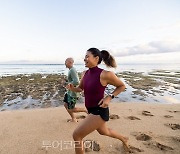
(150,48)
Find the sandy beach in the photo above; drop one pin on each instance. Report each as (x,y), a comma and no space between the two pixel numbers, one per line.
(151,128)
(33,119)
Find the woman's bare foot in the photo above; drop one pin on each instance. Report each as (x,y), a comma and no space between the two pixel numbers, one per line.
(125,144)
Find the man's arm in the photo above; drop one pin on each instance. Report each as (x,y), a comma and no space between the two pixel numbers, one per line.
(78,88)
(75,78)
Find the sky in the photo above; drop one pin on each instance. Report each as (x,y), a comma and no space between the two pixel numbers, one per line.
(49,31)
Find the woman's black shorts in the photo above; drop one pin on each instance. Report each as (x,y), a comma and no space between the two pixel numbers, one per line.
(103,112)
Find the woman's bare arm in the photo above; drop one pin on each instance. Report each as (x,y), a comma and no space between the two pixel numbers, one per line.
(112,79)
(108,77)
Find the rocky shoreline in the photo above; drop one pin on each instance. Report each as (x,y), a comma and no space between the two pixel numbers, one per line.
(154,83)
(47,90)
(37,90)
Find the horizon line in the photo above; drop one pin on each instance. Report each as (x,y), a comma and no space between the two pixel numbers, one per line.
(80,63)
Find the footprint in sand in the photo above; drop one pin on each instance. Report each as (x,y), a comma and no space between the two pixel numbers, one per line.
(91,145)
(114,116)
(174,111)
(133,118)
(81,117)
(143,137)
(157,145)
(133,149)
(168,116)
(70,120)
(173,126)
(170,139)
(147,113)
(151,143)
(176,139)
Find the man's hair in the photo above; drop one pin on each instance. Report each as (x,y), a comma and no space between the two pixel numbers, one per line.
(70,59)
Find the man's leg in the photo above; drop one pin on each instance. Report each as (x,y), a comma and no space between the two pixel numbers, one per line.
(76,109)
(68,106)
(79,109)
(70,113)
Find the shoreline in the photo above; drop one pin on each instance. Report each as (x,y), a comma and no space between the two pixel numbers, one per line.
(47,90)
(151,128)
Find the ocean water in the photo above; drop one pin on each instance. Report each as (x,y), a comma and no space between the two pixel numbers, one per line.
(14,69)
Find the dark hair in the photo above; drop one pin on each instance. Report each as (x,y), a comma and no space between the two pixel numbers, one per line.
(103,55)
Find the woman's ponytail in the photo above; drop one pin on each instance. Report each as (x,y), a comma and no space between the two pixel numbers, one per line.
(108,59)
(103,55)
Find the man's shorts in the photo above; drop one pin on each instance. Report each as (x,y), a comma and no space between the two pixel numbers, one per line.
(71,101)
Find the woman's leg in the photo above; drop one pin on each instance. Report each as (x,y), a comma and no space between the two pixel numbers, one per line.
(103,130)
(88,125)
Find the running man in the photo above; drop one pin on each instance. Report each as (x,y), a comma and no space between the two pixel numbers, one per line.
(71,97)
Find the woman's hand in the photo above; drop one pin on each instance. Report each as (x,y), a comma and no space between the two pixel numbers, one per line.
(104,102)
(70,86)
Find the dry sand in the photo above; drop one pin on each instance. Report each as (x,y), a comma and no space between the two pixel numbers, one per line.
(151,128)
